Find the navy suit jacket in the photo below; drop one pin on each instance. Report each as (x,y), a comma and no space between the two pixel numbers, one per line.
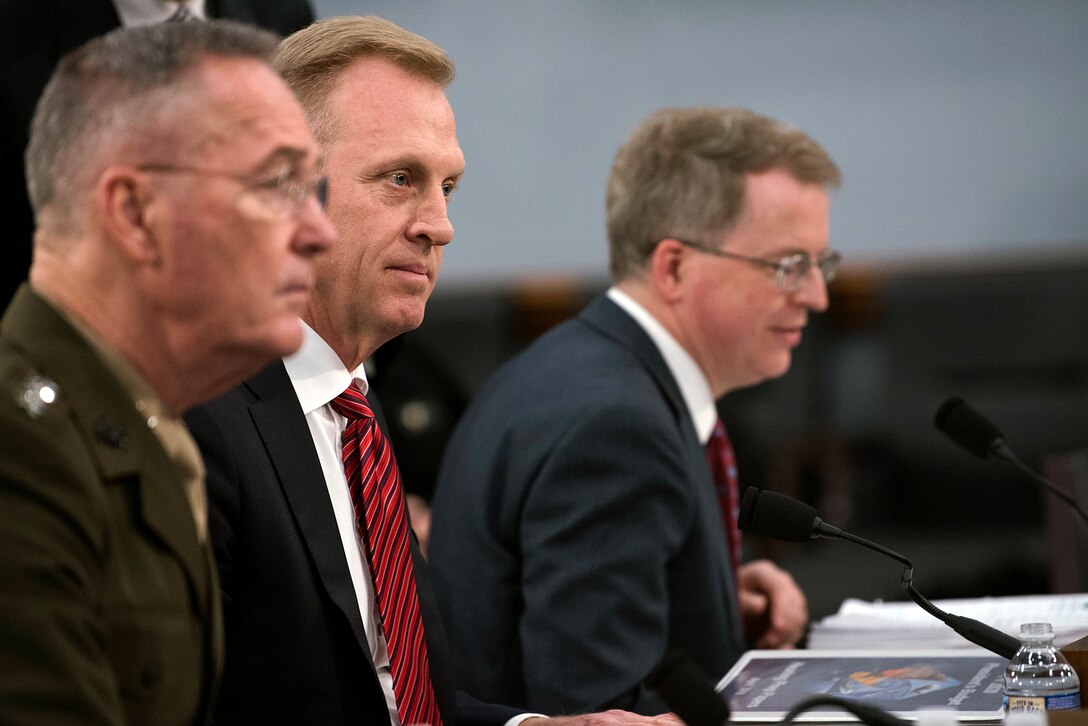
(296,648)
(576,534)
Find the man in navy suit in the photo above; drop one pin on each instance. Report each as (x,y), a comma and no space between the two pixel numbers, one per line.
(306,639)
(576,532)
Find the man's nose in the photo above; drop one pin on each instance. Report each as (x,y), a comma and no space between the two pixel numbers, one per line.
(316,231)
(432,221)
(813,291)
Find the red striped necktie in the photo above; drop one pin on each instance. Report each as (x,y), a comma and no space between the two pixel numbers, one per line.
(374,483)
(723,465)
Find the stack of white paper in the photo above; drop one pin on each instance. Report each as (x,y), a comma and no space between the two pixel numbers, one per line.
(901,625)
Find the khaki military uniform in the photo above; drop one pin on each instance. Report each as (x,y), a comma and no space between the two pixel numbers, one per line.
(109,608)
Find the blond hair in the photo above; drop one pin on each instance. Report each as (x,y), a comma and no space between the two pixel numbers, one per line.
(313,59)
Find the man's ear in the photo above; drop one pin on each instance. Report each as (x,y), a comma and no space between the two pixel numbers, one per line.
(124,197)
(666,268)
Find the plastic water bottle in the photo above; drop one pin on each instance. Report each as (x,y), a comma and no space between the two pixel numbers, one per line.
(1039,678)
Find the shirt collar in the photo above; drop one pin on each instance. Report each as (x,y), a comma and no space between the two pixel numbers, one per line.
(694,387)
(317,373)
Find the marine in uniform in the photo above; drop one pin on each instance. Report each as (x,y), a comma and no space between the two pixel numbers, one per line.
(107,593)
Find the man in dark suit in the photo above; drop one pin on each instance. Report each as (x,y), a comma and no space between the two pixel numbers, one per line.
(303,622)
(34,36)
(310,636)
(137,310)
(577,532)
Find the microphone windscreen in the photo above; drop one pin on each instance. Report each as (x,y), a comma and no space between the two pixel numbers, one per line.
(967,427)
(776,516)
(687,691)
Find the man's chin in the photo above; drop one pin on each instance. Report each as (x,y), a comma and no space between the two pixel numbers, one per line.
(409,323)
(409,314)
(780,368)
(770,371)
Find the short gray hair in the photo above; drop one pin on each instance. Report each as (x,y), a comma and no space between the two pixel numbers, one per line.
(681,174)
(112,92)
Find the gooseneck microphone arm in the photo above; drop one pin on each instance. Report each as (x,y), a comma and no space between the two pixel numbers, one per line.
(1003,452)
(977,435)
(781,517)
(978,633)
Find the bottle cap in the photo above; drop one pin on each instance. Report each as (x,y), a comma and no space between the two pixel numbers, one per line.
(1036,630)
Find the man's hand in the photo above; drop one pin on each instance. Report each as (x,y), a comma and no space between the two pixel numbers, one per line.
(772,607)
(419,513)
(606,718)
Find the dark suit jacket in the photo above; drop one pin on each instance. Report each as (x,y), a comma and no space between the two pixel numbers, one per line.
(108,604)
(296,648)
(33,37)
(576,534)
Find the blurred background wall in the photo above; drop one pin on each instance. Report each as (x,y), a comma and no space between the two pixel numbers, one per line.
(960,126)
(962,132)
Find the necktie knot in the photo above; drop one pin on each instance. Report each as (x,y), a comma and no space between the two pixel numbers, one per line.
(352,404)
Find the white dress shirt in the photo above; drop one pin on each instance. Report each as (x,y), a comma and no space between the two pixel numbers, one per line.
(694,386)
(318,376)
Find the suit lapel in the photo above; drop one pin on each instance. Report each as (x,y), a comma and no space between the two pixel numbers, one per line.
(612,322)
(282,427)
(167,512)
(279,421)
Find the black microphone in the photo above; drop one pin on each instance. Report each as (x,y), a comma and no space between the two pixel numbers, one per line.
(687,691)
(781,517)
(968,428)
(975,433)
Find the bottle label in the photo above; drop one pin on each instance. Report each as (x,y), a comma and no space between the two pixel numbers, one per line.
(1029,704)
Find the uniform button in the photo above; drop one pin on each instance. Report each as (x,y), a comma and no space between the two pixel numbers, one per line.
(109,433)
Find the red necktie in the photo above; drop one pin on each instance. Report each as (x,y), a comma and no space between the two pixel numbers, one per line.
(723,465)
(374,483)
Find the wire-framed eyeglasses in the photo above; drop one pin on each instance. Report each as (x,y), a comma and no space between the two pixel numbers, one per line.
(789,272)
(284,193)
